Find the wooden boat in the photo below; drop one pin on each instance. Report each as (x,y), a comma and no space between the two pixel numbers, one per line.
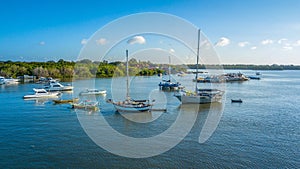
(236,101)
(130,105)
(86,105)
(75,100)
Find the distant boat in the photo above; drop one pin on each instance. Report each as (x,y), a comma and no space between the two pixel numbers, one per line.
(254,77)
(130,105)
(92,92)
(54,85)
(75,100)
(236,101)
(258,73)
(168,84)
(199,96)
(42,93)
(87,105)
(8,81)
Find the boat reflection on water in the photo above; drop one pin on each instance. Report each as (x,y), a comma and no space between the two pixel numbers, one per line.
(40,101)
(208,117)
(141,117)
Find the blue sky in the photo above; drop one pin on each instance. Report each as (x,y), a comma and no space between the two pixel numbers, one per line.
(244,31)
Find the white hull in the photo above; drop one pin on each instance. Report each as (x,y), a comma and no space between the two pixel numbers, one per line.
(41,96)
(42,93)
(65,88)
(93,93)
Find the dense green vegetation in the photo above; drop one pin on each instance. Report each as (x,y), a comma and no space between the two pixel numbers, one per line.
(87,68)
(80,69)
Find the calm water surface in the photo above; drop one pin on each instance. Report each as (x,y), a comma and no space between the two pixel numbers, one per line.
(262,132)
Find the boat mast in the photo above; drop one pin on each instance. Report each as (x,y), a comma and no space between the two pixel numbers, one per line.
(198,48)
(127,77)
(169,68)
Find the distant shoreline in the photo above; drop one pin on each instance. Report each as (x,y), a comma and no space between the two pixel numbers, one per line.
(86,68)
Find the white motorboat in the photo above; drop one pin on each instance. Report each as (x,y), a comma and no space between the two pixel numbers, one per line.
(199,96)
(130,105)
(92,92)
(8,81)
(42,93)
(54,85)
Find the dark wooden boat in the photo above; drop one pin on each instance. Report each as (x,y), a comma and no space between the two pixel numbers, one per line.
(75,100)
(236,101)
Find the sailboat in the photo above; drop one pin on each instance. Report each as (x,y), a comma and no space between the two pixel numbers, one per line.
(199,96)
(167,84)
(129,104)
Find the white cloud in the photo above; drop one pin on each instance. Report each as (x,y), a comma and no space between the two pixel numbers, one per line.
(84,41)
(281,41)
(172,50)
(243,44)
(297,43)
(267,41)
(253,48)
(287,48)
(137,39)
(42,43)
(223,42)
(101,41)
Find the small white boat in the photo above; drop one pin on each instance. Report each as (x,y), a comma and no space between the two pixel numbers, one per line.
(42,93)
(92,92)
(54,85)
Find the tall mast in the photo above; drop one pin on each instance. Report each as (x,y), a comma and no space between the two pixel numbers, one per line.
(127,77)
(198,48)
(169,68)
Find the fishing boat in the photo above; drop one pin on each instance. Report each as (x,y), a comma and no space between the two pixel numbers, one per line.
(129,104)
(236,100)
(92,92)
(54,85)
(75,100)
(199,96)
(86,105)
(42,93)
(168,84)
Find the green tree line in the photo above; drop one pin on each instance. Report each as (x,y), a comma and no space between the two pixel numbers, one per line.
(80,69)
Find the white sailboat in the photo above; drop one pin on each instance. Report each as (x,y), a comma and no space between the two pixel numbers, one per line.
(199,96)
(130,105)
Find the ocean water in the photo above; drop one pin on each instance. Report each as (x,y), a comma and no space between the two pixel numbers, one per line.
(261,132)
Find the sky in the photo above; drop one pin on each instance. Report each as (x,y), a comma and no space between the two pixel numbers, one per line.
(242,31)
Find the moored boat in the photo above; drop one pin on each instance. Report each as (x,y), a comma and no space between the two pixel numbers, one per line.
(199,96)
(86,104)
(254,77)
(92,92)
(236,100)
(168,84)
(75,100)
(130,105)
(42,93)
(54,85)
